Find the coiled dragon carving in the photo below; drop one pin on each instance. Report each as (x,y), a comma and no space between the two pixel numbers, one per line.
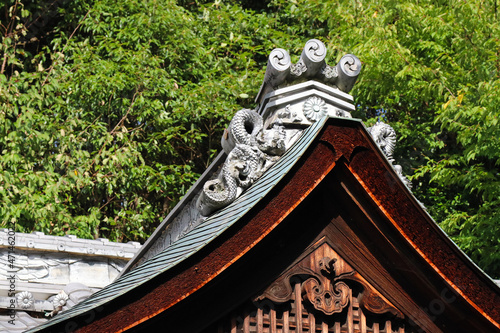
(251,151)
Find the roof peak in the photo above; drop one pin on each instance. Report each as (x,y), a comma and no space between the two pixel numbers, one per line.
(281,72)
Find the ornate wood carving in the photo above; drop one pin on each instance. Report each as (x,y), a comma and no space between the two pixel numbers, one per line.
(325,296)
(325,281)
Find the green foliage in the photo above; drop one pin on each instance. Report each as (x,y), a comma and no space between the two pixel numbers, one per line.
(110,110)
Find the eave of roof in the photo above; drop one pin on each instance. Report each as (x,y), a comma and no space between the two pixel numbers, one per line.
(198,237)
(421,237)
(38,241)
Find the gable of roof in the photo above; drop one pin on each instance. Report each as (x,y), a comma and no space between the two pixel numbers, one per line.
(334,193)
(335,158)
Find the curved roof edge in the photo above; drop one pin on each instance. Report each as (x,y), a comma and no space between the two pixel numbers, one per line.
(198,237)
(388,193)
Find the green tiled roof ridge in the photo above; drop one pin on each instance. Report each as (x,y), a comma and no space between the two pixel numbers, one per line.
(186,246)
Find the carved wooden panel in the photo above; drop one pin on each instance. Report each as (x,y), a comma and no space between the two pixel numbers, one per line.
(324,275)
(321,293)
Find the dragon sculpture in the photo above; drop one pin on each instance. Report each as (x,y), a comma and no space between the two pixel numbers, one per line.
(251,151)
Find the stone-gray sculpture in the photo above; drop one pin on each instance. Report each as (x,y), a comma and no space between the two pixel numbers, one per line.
(385,137)
(291,98)
(311,66)
(251,151)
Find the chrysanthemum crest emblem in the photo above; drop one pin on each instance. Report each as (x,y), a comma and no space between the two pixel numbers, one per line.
(60,299)
(25,300)
(314,108)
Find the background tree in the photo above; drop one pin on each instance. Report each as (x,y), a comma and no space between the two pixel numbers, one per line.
(111,109)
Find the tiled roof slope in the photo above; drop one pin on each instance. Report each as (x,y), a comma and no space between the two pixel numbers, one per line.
(198,237)
(47,268)
(71,244)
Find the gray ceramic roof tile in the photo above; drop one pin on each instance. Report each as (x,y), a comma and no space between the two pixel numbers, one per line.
(198,237)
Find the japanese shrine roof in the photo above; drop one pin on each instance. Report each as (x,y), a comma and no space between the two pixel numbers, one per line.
(399,206)
(198,237)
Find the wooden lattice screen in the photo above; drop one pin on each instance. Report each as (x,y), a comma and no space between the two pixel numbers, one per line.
(320,293)
(297,316)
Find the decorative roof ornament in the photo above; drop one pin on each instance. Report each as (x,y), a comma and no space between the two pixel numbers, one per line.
(292,97)
(281,72)
(385,137)
(60,300)
(251,151)
(25,300)
(314,108)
